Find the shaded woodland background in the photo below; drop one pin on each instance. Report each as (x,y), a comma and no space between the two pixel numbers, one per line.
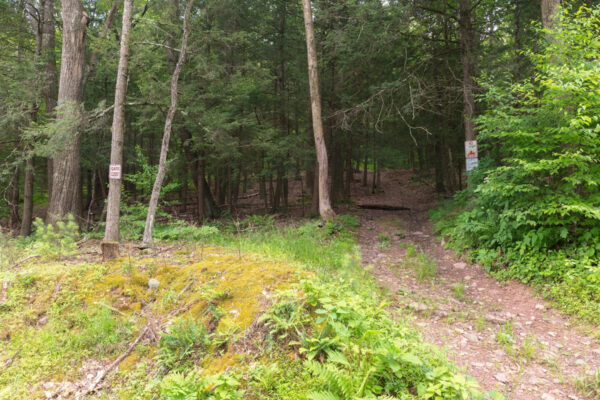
(398,81)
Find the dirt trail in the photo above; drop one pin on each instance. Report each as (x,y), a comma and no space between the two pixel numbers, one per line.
(550,355)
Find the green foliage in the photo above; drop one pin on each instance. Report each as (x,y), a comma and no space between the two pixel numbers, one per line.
(144,178)
(183,344)
(533,210)
(287,316)
(193,386)
(354,350)
(384,241)
(59,239)
(350,221)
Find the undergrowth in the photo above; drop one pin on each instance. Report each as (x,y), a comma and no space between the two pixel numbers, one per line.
(281,312)
(533,208)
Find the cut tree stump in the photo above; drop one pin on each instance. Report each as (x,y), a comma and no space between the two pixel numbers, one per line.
(384,207)
(110,250)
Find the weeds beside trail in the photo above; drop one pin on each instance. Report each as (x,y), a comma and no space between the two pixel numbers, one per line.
(244,310)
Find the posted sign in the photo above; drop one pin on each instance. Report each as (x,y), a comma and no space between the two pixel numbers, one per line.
(471,154)
(114,171)
(471,149)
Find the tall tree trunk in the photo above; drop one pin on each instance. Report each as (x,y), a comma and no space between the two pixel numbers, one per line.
(324,202)
(549,8)
(111,233)
(66,188)
(162,165)
(49,70)
(365,169)
(14,199)
(200,190)
(314,207)
(468,66)
(27,198)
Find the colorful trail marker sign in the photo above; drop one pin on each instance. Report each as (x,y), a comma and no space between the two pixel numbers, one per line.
(471,154)
(114,171)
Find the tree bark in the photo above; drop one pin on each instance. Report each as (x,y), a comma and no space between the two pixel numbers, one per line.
(549,8)
(66,188)
(162,165)
(14,199)
(324,199)
(200,190)
(111,233)
(49,70)
(27,198)
(468,66)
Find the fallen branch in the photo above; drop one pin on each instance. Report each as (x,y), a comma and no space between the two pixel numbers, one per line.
(25,260)
(114,364)
(185,289)
(384,207)
(4,292)
(109,307)
(9,362)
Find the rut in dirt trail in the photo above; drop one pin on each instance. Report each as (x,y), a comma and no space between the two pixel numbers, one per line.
(501,333)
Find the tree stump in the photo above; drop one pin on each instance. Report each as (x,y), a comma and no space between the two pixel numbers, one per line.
(110,250)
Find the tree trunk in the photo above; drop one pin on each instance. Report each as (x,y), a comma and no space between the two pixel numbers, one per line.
(49,70)
(66,188)
(549,8)
(365,170)
(200,191)
(468,66)
(14,199)
(315,95)
(27,198)
(162,165)
(111,233)
(314,207)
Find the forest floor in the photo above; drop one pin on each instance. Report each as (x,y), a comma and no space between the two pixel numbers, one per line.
(502,333)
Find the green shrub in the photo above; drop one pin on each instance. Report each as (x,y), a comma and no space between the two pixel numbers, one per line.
(533,210)
(193,386)
(185,341)
(58,240)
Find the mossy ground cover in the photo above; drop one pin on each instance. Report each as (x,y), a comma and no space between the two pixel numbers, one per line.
(265,312)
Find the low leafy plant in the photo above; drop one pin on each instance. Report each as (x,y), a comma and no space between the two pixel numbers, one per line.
(194,386)
(459,291)
(185,342)
(384,241)
(58,239)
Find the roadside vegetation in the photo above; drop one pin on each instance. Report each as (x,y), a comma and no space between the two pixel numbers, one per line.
(249,309)
(532,210)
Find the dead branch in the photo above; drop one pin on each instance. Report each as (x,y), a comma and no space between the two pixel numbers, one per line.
(4,292)
(29,258)
(109,307)
(384,207)
(114,364)
(9,362)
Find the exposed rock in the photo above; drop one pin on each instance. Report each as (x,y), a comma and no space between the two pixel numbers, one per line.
(153,284)
(460,265)
(417,306)
(495,319)
(501,377)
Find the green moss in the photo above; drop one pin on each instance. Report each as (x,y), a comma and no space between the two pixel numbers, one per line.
(61,316)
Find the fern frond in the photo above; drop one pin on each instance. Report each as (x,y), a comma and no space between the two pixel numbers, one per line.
(322,396)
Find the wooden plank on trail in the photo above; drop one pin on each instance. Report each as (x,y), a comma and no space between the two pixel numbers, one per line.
(385,207)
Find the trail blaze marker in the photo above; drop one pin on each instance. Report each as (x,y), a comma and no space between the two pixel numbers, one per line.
(471,149)
(471,154)
(472,163)
(114,171)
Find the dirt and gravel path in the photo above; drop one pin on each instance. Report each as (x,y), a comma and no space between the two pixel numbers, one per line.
(501,333)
